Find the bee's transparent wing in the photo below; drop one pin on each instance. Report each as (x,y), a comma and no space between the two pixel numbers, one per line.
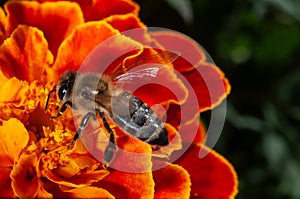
(151,66)
(145,74)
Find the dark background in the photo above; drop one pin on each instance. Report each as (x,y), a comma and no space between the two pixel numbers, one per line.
(257,44)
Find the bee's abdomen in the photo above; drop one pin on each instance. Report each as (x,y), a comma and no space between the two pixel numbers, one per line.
(137,119)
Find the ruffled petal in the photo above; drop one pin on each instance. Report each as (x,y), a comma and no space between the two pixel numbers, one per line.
(86,38)
(80,180)
(13,138)
(25,182)
(56,19)
(131,26)
(125,22)
(19,99)
(68,173)
(188,135)
(128,185)
(94,10)
(207,81)
(165,89)
(130,175)
(209,84)
(99,9)
(14,94)
(14,91)
(134,152)
(212,176)
(132,156)
(25,54)
(172,181)
(6,190)
(89,192)
(190,52)
(208,89)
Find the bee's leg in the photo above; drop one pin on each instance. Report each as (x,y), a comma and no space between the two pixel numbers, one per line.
(63,108)
(47,101)
(82,126)
(111,147)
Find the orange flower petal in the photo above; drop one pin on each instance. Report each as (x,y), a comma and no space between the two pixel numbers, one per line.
(55,19)
(89,192)
(86,38)
(5,181)
(125,22)
(84,161)
(25,182)
(67,171)
(82,179)
(128,185)
(25,54)
(191,53)
(212,176)
(13,91)
(60,191)
(167,87)
(208,81)
(13,138)
(188,134)
(134,157)
(18,99)
(94,10)
(134,152)
(209,89)
(172,181)
(209,84)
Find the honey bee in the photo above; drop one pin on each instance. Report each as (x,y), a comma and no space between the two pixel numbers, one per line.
(96,95)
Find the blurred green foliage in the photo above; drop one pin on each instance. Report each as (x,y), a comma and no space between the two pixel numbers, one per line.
(257,44)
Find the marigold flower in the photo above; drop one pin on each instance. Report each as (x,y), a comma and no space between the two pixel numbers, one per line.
(39,41)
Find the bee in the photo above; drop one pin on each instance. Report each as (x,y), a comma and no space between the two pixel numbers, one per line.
(96,95)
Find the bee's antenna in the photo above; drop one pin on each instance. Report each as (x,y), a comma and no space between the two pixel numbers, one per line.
(46,105)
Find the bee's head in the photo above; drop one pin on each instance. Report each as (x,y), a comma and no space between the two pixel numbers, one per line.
(65,85)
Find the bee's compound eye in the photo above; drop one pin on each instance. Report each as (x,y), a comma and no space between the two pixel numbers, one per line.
(63,90)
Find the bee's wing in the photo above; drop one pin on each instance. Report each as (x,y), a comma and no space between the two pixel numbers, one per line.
(150,69)
(145,74)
